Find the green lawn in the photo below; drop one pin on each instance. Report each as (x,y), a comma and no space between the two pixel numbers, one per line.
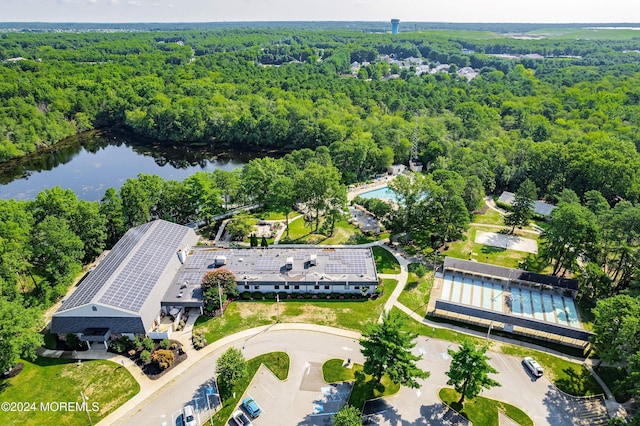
(363,389)
(277,362)
(415,294)
(52,380)
(351,315)
(490,217)
(342,314)
(386,262)
(483,411)
(235,319)
(343,233)
(467,249)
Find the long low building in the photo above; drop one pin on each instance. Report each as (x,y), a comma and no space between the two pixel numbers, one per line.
(153,275)
(514,300)
(123,294)
(290,270)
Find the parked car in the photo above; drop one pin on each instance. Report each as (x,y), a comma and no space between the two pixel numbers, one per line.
(533,366)
(241,419)
(251,406)
(189,416)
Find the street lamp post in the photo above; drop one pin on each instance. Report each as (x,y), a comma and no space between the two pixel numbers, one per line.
(220,297)
(488,332)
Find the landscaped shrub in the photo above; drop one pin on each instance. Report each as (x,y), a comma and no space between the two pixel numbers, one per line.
(417,268)
(72,341)
(148,344)
(282,295)
(145,356)
(257,295)
(270,296)
(165,344)
(121,345)
(163,357)
(199,340)
(246,295)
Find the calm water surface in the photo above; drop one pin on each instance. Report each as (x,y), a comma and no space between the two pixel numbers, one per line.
(89,164)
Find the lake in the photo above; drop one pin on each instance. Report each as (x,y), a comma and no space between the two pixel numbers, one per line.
(90,163)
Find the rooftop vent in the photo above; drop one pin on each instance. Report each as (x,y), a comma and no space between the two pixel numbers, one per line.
(313,260)
(220,260)
(289,264)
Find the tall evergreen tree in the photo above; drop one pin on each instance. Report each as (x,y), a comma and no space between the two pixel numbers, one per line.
(469,371)
(387,349)
(522,207)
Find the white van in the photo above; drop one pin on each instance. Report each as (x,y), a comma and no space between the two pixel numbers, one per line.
(189,416)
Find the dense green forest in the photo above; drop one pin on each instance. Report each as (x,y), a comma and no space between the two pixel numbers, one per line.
(562,115)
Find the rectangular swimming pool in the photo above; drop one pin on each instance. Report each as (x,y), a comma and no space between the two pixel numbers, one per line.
(525,302)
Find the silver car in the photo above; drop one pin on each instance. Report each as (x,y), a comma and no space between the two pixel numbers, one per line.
(533,366)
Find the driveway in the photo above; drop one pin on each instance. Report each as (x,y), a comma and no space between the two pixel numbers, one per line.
(295,401)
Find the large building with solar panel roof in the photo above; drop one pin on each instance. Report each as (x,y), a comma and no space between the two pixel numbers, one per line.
(123,294)
(289,270)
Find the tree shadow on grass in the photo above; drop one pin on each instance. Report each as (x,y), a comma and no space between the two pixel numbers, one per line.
(575,383)
(492,249)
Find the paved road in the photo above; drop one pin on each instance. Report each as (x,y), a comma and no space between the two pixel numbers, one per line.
(285,403)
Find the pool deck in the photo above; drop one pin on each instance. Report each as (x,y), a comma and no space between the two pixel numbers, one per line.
(361,189)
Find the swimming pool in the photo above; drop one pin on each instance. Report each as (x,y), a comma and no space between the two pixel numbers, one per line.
(384,193)
(524,302)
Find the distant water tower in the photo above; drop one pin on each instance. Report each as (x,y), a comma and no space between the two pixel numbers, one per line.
(395,23)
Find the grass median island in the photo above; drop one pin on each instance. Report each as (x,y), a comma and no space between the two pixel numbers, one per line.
(346,314)
(53,380)
(363,388)
(386,263)
(484,411)
(277,362)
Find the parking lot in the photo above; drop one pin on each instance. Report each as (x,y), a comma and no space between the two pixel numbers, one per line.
(305,399)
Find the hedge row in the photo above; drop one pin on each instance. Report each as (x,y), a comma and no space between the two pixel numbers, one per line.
(283,296)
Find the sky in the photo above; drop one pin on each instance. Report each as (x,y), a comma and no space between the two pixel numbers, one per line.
(535,11)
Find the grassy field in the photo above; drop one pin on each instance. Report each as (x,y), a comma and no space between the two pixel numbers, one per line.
(49,380)
(416,292)
(277,362)
(490,217)
(467,249)
(351,315)
(343,233)
(363,389)
(386,262)
(483,411)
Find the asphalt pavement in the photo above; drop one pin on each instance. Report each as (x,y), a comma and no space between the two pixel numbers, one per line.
(292,402)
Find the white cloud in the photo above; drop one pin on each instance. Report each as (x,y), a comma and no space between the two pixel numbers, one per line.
(170,5)
(114,1)
(133,3)
(93,1)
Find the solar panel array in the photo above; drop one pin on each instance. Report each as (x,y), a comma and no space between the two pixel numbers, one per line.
(136,281)
(92,284)
(348,262)
(268,264)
